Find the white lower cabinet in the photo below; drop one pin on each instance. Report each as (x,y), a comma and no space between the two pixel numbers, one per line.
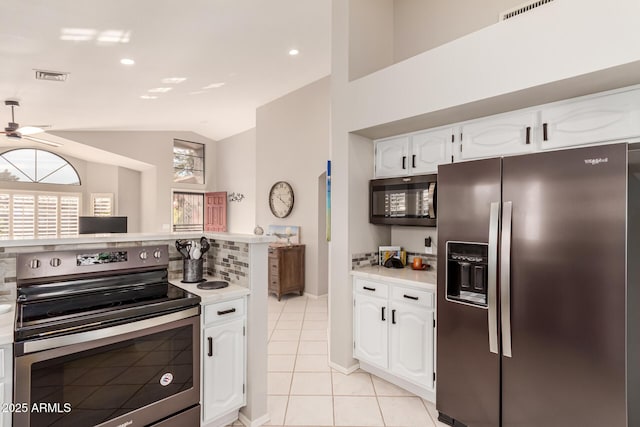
(223,361)
(6,383)
(370,334)
(411,341)
(394,334)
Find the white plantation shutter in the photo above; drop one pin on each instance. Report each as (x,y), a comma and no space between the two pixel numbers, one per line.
(47,215)
(24,214)
(69,212)
(5,215)
(102,204)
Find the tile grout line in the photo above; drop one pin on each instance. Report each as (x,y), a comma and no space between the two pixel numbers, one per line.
(295,362)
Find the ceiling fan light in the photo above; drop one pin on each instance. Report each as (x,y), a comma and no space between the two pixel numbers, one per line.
(30,130)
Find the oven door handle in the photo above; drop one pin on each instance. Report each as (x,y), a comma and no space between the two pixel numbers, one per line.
(112,331)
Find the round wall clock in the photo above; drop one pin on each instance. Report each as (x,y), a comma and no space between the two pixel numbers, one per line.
(281,199)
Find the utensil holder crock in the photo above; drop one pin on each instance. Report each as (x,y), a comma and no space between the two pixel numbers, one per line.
(192,270)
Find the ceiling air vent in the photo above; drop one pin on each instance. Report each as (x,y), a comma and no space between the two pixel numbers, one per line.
(519,10)
(55,76)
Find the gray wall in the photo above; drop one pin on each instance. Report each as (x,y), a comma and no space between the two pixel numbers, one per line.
(292,144)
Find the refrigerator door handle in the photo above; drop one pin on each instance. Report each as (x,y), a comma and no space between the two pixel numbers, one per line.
(505,279)
(492,312)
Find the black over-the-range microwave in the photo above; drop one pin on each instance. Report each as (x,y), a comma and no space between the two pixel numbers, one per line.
(409,200)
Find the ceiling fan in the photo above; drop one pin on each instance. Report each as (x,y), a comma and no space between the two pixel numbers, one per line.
(13,131)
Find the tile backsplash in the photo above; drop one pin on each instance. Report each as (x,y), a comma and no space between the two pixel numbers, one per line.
(367,259)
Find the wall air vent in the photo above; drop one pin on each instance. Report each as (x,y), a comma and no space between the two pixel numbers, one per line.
(55,76)
(519,10)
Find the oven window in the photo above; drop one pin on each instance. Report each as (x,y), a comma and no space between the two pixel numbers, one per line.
(103,383)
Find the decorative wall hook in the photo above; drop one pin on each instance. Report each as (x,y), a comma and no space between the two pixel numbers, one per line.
(235,197)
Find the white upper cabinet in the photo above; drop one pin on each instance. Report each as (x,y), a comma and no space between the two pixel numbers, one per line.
(391,157)
(506,134)
(430,149)
(604,118)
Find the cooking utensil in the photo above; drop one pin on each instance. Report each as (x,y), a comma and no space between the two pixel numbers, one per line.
(182,247)
(204,245)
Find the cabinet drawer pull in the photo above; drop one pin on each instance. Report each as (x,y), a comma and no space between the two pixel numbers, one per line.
(393,317)
(383,318)
(210,352)
(413,161)
(544,132)
(410,297)
(404,162)
(528,141)
(369,289)
(231,310)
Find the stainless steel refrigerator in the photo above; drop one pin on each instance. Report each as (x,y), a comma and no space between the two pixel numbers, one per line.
(537,290)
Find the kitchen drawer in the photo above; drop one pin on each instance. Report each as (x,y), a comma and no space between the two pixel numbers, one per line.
(369,287)
(408,295)
(223,311)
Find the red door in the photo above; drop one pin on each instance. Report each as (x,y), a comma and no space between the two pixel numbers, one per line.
(215,211)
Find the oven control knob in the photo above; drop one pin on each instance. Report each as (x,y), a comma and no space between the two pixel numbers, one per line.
(157,254)
(55,262)
(144,255)
(34,263)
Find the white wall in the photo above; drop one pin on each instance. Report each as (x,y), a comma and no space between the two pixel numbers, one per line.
(566,48)
(292,144)
(128,198)
(236,172)
(101,178)
(420,25)
(371,36)
(412,238)
(156,149)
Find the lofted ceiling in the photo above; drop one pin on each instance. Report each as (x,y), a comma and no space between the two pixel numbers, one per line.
(241,43)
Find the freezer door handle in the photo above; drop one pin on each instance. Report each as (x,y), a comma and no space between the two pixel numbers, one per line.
(505,278)
(492,312)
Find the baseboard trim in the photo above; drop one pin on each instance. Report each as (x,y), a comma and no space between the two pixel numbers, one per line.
(426,394)
(255,423)
(344,370)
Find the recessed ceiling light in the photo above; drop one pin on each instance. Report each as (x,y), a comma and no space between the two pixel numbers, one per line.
(77,34)
(159,90)
(127,61)
(214,85)
(173,80)
(294,52)
(148,97)
(196,92)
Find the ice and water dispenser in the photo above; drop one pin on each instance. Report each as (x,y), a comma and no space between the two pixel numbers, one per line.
(467,272)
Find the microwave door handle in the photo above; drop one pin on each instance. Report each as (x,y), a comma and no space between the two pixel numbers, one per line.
(432,194)
(492,292)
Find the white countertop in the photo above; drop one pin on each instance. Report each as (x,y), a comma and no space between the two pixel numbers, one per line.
(425,279)
(133,237)
(214,295)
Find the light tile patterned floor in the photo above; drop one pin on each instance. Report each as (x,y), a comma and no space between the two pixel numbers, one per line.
(304,391)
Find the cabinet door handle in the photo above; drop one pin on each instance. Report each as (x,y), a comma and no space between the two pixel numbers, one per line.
(369,289)
(545,136)
(413,160)
(210,352)
(410,297)
(528,140)
(404,162)
(231,310)
(393,317)
(383,318)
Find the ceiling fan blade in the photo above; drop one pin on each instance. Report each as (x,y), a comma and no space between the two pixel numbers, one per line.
(31,130)
(42,141)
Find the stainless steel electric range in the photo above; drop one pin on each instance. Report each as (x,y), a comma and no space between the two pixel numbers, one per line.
(103,339)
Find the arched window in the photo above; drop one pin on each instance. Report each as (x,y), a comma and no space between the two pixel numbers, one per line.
(37,166)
